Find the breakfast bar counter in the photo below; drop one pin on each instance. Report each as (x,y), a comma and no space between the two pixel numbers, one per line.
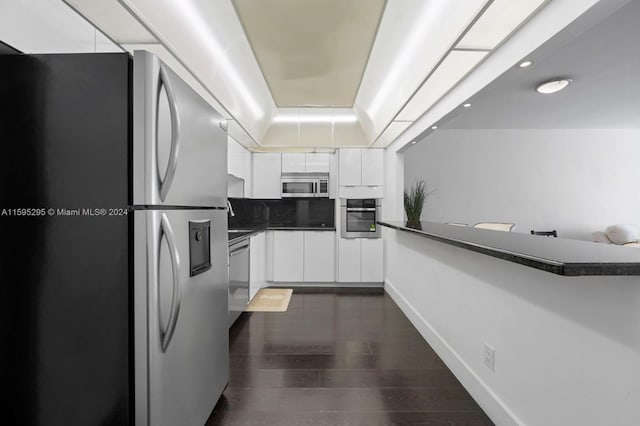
(556,255)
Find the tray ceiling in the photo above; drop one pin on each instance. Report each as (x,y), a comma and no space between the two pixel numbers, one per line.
(311,53)
(319,73)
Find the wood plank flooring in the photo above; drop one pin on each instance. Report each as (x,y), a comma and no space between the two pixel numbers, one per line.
(338,357)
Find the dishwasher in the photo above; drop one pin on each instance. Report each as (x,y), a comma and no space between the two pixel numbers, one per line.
(238,279)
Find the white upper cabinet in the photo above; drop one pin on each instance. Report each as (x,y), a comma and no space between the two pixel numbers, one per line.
(305,163)
(350,167)
(317,163)
(236,164)
(361,167)
(266,175)
(293,163)
(372,167)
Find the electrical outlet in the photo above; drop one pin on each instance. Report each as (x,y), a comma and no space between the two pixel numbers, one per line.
(489,357)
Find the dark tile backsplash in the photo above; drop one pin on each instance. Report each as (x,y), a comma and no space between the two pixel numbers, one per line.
(294,213)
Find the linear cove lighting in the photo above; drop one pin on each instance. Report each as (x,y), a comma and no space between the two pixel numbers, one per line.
(553,86)
(191,13)
(314,118)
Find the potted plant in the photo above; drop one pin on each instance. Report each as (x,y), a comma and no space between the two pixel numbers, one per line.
(414,199)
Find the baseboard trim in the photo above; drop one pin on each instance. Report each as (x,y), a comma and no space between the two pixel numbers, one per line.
(322,284)
(495,408)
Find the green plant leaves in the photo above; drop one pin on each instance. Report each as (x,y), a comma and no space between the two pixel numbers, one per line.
(414,200)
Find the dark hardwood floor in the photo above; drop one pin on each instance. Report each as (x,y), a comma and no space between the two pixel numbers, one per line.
(338,357)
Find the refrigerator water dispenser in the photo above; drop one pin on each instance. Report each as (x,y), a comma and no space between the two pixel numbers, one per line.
(199,246)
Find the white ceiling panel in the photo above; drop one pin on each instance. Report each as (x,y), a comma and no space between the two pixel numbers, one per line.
(390,134)
(455,66)
(114,20)
(499,20)
(413,37)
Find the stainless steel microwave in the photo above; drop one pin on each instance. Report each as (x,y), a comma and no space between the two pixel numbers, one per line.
(304,185)
(359,218)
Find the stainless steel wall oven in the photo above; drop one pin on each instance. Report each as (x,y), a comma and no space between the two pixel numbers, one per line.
(359,218)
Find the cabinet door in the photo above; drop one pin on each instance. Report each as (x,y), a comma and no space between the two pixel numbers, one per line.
(256,264)
(319,256)
(288,256)
(293,163)
(266,175)
(372,164)
(372,269)
(350,167)
(248,177)
(317,163)
(349,260)
(235,158)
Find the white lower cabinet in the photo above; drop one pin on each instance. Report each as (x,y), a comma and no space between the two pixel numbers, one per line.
(302,256)
(371,269)
(360,260)
(257,264)
(319,256)
(349,260)
(288,256)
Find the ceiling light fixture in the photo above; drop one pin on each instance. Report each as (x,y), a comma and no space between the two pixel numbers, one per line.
(525,64)
(434,127)
(413,142)
(553,86)
(466,105)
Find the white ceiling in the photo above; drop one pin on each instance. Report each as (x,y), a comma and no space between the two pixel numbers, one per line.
(599,52)
(261,60)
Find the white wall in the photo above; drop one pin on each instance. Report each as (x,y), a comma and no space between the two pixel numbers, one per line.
(575,181)
(393,204)
(567,349)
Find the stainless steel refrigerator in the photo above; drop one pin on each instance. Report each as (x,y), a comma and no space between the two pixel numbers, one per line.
(114,300)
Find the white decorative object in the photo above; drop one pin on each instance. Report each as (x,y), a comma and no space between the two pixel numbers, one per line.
(621,234)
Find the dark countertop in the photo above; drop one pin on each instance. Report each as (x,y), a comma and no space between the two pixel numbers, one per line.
(556,255)
(300,228)
(237,235)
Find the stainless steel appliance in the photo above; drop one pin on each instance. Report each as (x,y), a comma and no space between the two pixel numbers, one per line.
(239,255)
(359,218)
(305,185)
(120,309)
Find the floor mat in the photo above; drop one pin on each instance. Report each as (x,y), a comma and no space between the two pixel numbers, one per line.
(270,300)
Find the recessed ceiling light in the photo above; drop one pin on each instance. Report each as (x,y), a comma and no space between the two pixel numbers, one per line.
(553,86)
(525,64)
(466,105)
(413,142)
(434,127)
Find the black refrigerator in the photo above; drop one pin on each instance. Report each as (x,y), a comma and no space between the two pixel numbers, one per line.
(113,301)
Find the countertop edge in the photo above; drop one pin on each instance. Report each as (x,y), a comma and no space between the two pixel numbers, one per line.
(548,265)
(251,233)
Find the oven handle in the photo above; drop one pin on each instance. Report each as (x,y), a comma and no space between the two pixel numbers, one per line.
(351,209)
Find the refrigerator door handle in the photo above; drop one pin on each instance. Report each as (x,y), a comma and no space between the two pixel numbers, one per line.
(165,182)
(166,335)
